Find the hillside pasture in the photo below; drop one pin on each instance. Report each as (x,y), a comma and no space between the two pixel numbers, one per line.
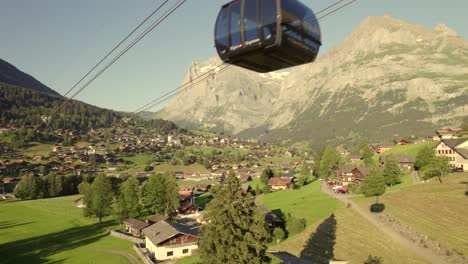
(307,202)
(438,210)
(346,235)
(54,231)
(411,150)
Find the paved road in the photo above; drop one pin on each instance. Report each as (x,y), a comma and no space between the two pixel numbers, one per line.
(423,252)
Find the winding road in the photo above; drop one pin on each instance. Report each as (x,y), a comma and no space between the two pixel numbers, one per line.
(423,252)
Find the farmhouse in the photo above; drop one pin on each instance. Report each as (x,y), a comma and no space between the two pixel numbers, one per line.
(350,174)
(135,226)
(404,161)
(281,183)
(456,150)
(449,133)
(79,203)
(166,240)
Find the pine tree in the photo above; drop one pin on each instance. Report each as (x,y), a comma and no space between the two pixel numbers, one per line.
(236,231)
(266,175)
(328,161)
(367,156)
(374,184)
(392,172)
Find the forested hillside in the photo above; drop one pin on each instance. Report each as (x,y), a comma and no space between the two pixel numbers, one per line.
(27,107)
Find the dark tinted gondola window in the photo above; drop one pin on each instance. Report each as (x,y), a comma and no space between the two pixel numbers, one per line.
(235,25)
(222,30)
(250,21)
(311,26)
(268,15)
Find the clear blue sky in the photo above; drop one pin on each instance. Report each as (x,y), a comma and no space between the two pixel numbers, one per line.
(57,41)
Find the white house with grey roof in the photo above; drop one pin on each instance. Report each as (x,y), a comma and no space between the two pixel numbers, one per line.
(166,240)
(456,150)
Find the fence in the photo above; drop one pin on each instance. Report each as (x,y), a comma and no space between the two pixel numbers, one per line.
(126,237)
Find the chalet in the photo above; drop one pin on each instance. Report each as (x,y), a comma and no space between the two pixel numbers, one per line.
(158,218)
(202,187)
(165,240)
(402,142)
(350,174)
(271,219)
(404,161)
(79,203)
(281,183)
(355,158)
(135,226)
(383,148)
(456,150)
(188,208)
(449,133)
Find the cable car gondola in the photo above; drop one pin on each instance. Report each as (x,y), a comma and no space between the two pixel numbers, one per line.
(267,35)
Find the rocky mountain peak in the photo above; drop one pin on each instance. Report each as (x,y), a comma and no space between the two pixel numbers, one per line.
(446,30)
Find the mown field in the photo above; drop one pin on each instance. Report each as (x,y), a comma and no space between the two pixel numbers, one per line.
(346,235)
(411,150)
(308,203)
(437,210)
(54,231)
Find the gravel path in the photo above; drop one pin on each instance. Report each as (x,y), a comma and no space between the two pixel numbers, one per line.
(415,177)
(423,252)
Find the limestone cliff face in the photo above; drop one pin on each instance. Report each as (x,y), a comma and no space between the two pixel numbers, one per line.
(388,77)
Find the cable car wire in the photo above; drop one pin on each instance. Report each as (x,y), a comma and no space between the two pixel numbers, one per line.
(325,9)
(336,9)
(169,12)
(191,83)
(181,88)
(117,46)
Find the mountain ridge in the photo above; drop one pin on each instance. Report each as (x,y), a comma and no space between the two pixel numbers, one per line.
(12,75)
(386,69)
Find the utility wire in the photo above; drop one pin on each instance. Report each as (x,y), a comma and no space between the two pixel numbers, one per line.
(117,46)
(191,83)
(139,38)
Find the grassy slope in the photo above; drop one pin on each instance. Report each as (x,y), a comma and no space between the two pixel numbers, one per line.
(195,259)
(53,230)
(308,202)
(437,210)
(193,168)
(346,236)
(411,150)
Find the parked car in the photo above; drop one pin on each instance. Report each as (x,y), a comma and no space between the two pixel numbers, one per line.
(456,169)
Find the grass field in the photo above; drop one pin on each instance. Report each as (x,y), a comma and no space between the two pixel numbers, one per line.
(54,231)
(308,202)
(193,168)
(434,209)
(35,148)
(411,150)
(345,235)
(406,181)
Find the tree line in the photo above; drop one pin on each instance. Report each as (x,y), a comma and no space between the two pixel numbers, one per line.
(31,187)
(158,194)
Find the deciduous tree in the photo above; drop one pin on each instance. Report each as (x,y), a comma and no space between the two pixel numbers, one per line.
(392,172)
(374,184)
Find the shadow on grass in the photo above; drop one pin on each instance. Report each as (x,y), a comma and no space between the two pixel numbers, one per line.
(466,193)
(319,247)
(37,249)
(377,208)
(9,224)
